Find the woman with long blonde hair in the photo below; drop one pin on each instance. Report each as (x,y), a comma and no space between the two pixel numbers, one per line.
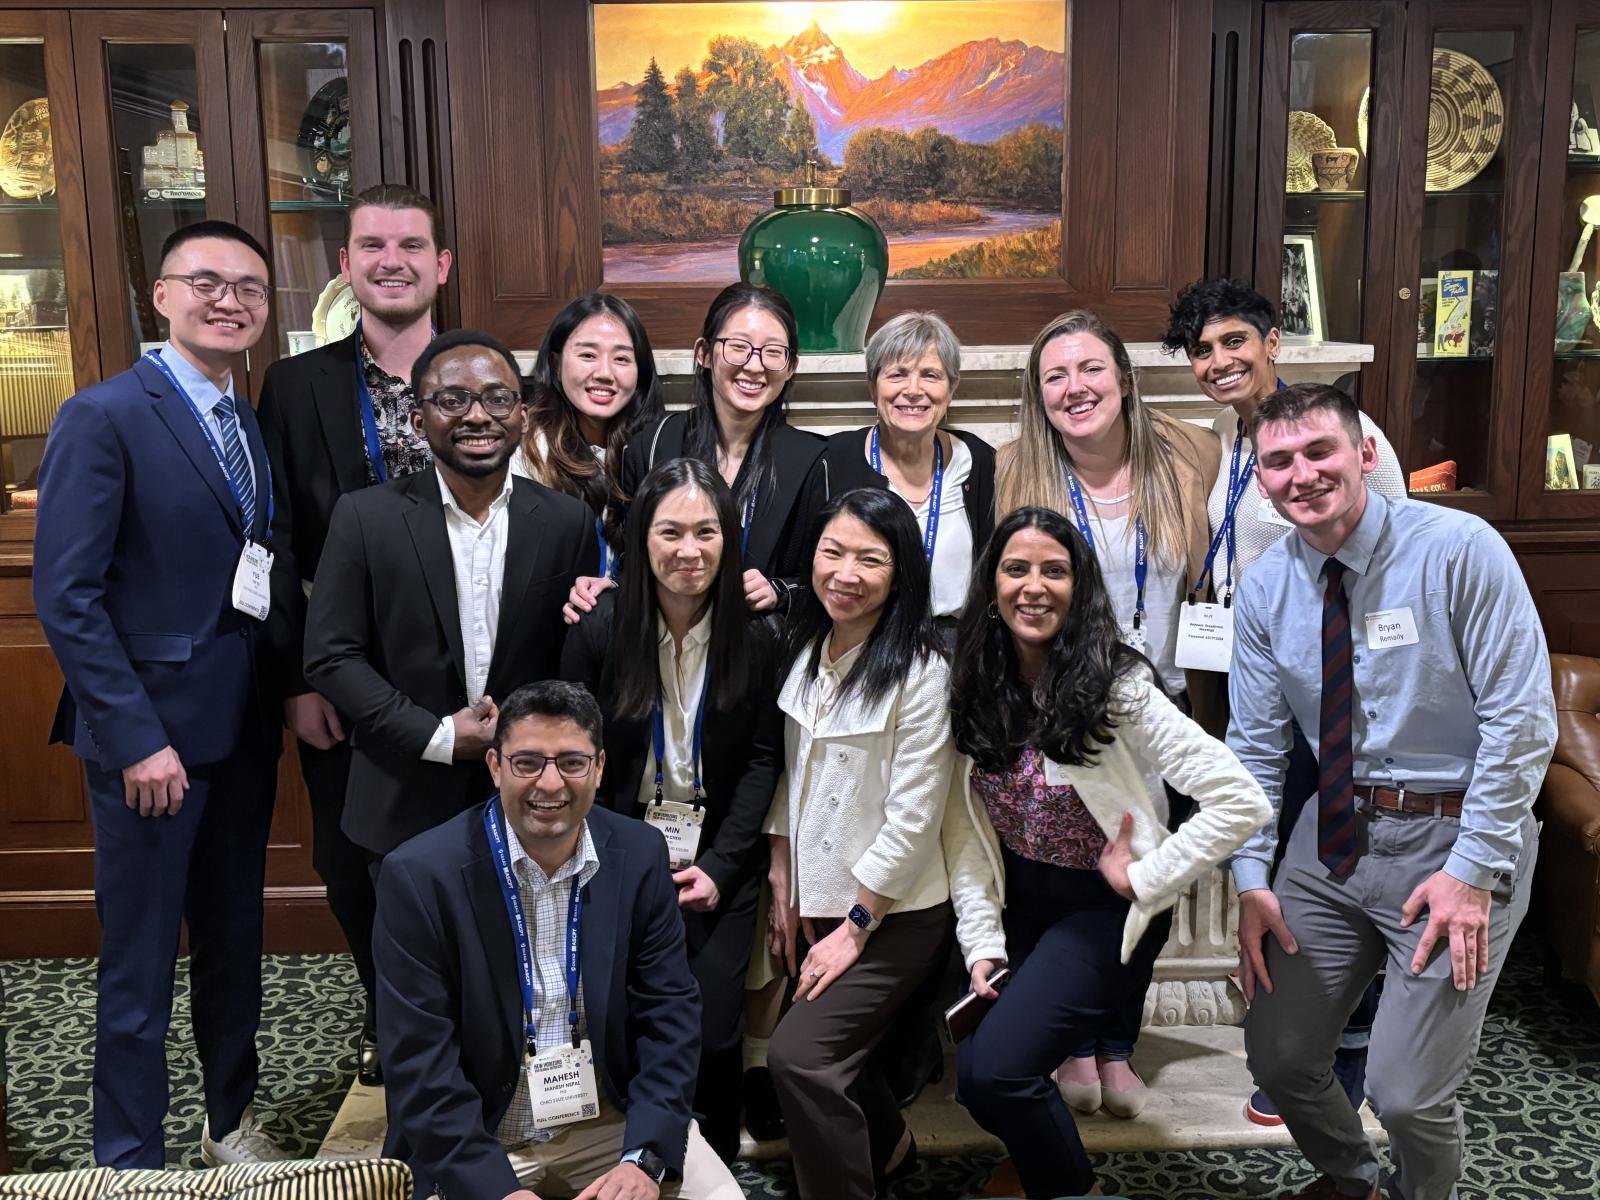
(1134,482)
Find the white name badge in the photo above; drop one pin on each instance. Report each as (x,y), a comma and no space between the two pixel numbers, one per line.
(1055,774)
(680,824)
(252,581)
(1205,637)
(561,1086)
(1268,515)
(1391,627)
(1137,640)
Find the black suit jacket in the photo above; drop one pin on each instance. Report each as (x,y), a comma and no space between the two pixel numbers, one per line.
(311,422)
(844,467)
(776,538)
(383,639)
(449,1009)
(741,758)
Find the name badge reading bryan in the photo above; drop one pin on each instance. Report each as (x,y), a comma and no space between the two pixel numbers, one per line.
(561,1086)
(1391,627)
(680,824)
(252,581)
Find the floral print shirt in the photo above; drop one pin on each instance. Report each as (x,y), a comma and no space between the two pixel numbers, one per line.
(1035,820)
(404,452)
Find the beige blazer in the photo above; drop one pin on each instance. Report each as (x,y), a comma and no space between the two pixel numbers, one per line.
(864,792)
(1154,741)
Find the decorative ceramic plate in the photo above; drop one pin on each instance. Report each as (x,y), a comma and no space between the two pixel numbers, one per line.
(27,165)
(1466,116)
(325,139)
(336,313)
(1361,120)
(1307,134)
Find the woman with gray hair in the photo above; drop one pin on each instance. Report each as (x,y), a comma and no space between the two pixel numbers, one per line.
(946,476)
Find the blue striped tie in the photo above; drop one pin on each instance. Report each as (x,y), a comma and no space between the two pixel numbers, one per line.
(1338,838)
(238,466)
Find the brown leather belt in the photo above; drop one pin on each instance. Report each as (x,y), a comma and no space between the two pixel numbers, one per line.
(1441,804)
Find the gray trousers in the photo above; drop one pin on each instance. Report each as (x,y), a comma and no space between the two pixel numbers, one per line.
(1426,1034)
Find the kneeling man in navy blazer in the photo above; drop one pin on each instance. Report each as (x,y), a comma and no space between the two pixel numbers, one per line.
(537,1021)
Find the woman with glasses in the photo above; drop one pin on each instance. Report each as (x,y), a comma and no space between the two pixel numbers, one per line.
(744,370)
(1134,484)
(860,898)
(946,476)
(683,673)
(593,386)
(1061,867)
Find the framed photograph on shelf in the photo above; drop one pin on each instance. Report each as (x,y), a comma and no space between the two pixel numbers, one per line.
(1300,306)
(1583,130)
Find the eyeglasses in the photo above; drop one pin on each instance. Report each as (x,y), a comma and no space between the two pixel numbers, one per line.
(456,402)
(736,352)
(212,288)
(569,763)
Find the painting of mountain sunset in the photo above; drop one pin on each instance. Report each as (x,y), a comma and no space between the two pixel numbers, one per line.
(943,118)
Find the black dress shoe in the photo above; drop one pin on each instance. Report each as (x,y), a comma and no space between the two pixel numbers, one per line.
(763,1118)
(368,1069)
(908,1075)
(884,1180)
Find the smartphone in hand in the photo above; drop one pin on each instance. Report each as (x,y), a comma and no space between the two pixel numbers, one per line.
(962,1017)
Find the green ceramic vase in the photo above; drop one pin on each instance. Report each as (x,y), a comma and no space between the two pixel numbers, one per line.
(829,260)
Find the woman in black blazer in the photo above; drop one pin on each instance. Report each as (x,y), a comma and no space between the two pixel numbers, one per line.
(744,371)
(913,367)
(673,648)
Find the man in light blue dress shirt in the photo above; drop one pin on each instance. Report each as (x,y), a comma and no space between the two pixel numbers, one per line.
(1420,849)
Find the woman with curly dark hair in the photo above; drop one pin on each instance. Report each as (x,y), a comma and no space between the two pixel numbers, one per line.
(1064,826)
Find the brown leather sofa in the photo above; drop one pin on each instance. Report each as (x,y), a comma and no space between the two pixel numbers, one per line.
(1567,882)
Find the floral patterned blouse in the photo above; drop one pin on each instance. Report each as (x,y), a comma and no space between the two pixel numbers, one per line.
(1035,820)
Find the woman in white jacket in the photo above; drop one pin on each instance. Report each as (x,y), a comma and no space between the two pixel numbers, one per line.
(1063,824)
(857,875)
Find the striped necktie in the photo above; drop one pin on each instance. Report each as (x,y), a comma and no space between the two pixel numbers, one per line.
(1338,843)
(238,466)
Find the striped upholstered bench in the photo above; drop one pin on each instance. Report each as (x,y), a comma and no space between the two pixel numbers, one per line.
(303,1179)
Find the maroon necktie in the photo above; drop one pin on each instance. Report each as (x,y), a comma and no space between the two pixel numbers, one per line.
(1338,846)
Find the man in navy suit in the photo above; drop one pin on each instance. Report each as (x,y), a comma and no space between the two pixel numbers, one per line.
(537,1021)
(150,580)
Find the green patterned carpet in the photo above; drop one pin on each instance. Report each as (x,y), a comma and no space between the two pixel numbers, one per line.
(1533,1103)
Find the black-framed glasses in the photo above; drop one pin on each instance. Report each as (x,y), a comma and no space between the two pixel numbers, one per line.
(736,352)
(251,293)
(569,763)
(455,402)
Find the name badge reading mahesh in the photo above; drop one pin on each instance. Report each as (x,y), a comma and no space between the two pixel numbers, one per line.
(1391,627)
(561,1086)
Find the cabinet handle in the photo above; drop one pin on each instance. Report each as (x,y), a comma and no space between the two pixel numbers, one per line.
(1405,293)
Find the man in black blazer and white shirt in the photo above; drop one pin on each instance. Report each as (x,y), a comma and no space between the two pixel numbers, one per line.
(337,419)
(438,592)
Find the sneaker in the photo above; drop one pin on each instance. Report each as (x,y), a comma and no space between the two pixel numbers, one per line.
(1350,1069)
(246,1144)
(1261,1110)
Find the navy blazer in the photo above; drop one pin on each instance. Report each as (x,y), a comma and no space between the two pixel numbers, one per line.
(137,543)
(450,1026)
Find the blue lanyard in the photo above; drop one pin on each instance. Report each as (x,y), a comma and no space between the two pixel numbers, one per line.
(1141,545)
(155,358)
(935,496)
(749,519)
(605,550)
(1238,482)
(494,826)
(369,420)
(659,738)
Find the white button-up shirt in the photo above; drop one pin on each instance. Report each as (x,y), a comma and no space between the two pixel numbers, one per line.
(479,556)
(545,901)
(683,678)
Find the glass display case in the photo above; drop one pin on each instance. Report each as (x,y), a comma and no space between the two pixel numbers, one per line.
(39,191)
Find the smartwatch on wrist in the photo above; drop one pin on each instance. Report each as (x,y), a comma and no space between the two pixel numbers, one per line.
(861,917)
(649,1162)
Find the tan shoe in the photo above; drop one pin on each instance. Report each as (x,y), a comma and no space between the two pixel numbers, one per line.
(1326,1189)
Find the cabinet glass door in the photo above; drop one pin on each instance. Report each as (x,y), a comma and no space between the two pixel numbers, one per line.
(46,318)
(157,154)
(1470,150)
(305,138)
(1327,182)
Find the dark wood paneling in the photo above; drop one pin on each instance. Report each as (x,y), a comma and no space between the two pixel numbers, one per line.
(1235,122)
(1562,568)
(1134,217)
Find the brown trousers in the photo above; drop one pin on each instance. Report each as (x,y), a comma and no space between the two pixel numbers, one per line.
(842,1117)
